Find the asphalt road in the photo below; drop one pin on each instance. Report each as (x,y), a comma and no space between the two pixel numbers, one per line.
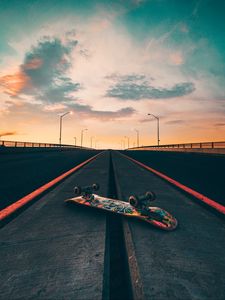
(55,251)
(21,173)
(204,173)
(187,263)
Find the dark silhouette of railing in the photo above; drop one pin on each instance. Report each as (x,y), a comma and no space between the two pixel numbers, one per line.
(203,145)
(36,145)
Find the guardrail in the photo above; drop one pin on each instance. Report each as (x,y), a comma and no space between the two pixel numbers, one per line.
(202,145)
(36,145)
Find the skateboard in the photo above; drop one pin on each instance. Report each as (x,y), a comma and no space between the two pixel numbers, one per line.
(137,207)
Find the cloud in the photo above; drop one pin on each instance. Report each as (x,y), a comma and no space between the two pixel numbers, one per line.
(43,72)
(104,115)
(175,122)
(137,87)
(146,120)
(43,77)
(14,84)
(171,122)
(46,66)
(219,124)
(176,58)
(126,78)
(196,8)
(110,115)
(6,133)
(184,28)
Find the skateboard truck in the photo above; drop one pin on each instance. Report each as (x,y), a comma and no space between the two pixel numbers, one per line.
(142,201)
(86,191)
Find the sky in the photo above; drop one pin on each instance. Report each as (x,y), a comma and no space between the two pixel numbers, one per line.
(111,63)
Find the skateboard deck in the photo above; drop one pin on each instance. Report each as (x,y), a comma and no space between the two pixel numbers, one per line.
(156,216)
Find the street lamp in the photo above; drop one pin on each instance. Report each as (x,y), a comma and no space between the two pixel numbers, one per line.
(60,126)
(75,140)
(91,140)
(123,143)
(81,139)
(137,131)
(157,118)
(128,140)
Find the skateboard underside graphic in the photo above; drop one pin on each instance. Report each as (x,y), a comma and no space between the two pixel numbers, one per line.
(153,215)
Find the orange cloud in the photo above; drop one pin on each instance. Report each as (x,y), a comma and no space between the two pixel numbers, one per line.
(100,25)
(33,64)
(6,133)
(176,58)
(15,83)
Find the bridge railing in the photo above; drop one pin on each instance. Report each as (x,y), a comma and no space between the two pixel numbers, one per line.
(36,145)
(201,145)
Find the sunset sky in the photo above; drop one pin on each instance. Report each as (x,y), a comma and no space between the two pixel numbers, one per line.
(111,63)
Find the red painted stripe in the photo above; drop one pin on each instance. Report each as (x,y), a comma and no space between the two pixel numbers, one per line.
(6,212)
(220,208)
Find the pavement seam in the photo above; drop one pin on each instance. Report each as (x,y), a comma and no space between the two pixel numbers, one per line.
(136,281)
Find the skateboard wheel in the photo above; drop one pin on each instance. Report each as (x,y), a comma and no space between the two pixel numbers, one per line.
(133,201)
(77,190)
(95,186)
(150,196)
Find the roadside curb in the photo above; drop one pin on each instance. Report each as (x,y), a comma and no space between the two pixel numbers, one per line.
(209,202)
(21,203)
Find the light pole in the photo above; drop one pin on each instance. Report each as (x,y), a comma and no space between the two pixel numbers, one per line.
(96,144)
(60,126)
(91,140)
(128,140)
(81,138)
(157,118)
(75,140)
(137,131)
(123,144)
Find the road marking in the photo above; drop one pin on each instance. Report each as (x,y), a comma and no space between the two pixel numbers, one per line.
(9,210)
(219,207)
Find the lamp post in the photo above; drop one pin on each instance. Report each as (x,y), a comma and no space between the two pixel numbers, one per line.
(128,140)
(60,126)
(157,118)
(75,140)
(123,144)
(91,140)
(81,138)
(137,131)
